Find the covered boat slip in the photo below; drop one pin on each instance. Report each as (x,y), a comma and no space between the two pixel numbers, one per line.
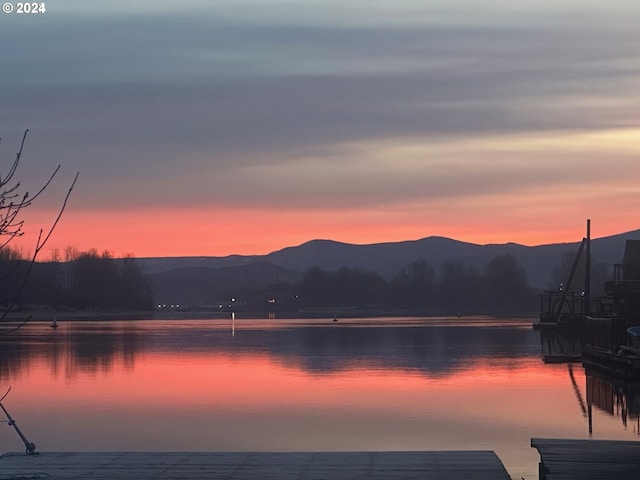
(609,346)
(440,465)
(562,459)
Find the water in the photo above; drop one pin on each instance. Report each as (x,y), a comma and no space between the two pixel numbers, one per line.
(287,385)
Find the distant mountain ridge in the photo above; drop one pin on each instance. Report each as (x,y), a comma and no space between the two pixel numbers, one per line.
(384,258)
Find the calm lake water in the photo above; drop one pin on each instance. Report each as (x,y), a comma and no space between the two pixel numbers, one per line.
(269,385)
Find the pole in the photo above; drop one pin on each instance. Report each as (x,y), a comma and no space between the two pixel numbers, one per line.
(565,291)
(30,446)
(587,272)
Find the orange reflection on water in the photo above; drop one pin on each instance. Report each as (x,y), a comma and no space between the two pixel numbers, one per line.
(236,382)
(234,401)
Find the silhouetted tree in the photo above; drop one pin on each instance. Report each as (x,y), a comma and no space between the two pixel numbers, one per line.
(314,287)
(346,287)
(97,280)
(506,289)
(458,287)
(89,280)
(13,201)
(359,287)
(415,285)
(135,288)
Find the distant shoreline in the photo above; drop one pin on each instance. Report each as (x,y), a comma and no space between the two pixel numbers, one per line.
(42,314)
(46,315)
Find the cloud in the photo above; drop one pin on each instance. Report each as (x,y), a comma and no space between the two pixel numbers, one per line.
(234,110)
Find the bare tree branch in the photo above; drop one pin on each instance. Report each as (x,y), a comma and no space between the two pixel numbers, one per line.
(12,227)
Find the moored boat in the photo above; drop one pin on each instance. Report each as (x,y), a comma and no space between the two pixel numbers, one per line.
(634,335)
(612,332)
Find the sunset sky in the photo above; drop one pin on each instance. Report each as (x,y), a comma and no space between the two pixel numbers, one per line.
(245,126)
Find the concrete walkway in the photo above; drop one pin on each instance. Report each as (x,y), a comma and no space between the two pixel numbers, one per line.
(566,459)
(467,465)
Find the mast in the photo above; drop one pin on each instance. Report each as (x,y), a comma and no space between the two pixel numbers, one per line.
(587,272)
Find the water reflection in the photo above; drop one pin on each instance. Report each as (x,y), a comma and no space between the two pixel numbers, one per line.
(391,384)
(615,396)
(90,347)
(618,397)
(560,345)
(80,347)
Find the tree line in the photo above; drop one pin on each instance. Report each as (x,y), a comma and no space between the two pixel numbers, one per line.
(455,287)
(90,279)
(76,279)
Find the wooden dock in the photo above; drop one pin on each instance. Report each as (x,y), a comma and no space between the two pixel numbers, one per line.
(562,459)
(441,465)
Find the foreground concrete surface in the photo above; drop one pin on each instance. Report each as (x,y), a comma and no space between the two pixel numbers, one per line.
(441,465)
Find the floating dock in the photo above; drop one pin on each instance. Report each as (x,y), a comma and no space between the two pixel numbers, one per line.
(562,459)
(444,465)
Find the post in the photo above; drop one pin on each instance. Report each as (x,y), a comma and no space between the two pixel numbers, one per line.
(563,298)
(30,446)
(587,272)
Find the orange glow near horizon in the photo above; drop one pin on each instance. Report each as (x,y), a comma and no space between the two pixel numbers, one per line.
(166,233)
(527,189)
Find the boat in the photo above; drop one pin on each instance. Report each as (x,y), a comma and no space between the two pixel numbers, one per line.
(634,336)
(54,324)
(612,328)
(565,308)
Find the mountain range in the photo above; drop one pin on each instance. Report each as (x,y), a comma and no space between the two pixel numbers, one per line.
(195,279)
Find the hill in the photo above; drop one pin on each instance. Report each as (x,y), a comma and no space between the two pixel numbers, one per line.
(196,277)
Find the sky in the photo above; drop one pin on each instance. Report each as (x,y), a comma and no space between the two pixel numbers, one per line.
(245,126)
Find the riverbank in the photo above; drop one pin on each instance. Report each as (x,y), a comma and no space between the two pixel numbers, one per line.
(49,314)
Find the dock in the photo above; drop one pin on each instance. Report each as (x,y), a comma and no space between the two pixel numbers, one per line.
(563,459)
(441,465)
